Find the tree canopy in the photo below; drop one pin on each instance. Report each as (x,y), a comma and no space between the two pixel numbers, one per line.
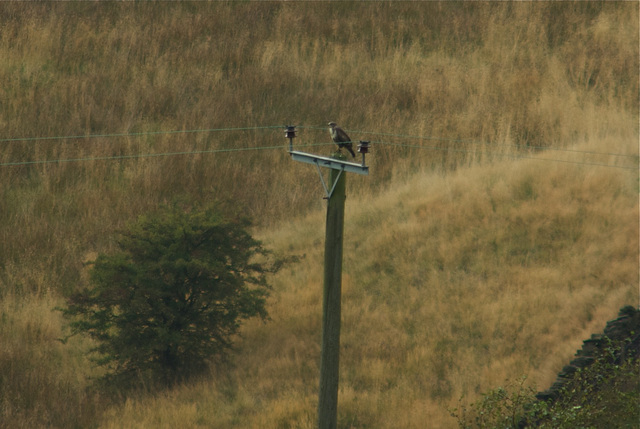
(173,294)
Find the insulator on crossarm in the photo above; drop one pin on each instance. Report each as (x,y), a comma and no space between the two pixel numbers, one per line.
(290,133)
(363,148)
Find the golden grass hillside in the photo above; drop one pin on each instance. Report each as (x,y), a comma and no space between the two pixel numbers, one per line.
(452,285)
(466,262)
(474,79)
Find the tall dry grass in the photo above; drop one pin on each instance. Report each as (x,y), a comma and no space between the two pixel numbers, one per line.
(452,285)
(43,383)
(464,276)
(534,75)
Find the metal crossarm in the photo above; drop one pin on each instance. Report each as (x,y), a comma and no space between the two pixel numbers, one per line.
(323,161)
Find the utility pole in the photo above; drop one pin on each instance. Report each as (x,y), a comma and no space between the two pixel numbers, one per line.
(331,305)
(332,290)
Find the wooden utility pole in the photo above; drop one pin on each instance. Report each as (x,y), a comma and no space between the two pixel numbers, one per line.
(335,195)
(329,361)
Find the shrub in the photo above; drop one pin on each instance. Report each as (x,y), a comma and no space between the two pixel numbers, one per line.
(603,394)
(502,407)
(173,294)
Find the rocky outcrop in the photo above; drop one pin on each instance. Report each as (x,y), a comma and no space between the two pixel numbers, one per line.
(623,332)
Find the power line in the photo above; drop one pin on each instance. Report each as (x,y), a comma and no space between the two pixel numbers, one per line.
(136,156)
(400,136)
(513,156)
(477,142)
(151,155)
(140,134)
(509,155)
(212,151)
(246,149)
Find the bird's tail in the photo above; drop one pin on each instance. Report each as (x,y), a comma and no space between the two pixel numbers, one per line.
(351,151)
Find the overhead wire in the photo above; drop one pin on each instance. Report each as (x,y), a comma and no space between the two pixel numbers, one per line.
(137,134)
(493,146)
(478,142)
(507,155)
(208,130)
(153,155)
(141,155)
(244,149)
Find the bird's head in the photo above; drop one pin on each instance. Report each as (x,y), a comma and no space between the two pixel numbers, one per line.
(332,124)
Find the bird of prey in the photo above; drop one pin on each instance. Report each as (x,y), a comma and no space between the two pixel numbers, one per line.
(341,138)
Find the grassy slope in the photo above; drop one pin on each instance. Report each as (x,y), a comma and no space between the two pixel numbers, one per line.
(445,294)
(453,280)
(531,75)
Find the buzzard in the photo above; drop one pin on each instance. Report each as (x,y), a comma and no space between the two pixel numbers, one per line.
(341,138)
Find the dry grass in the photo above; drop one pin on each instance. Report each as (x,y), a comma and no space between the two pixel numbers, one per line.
(465,300)
(43,383)
(463,265)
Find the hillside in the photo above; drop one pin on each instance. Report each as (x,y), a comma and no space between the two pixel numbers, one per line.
(452,285)
(497,230)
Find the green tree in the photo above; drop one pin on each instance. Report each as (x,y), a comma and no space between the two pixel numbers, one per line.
(173,295)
